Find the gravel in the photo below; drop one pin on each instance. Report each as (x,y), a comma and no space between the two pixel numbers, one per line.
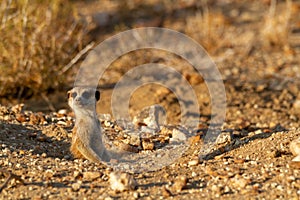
(253,158)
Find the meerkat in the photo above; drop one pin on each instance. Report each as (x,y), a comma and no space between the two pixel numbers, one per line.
(86,135)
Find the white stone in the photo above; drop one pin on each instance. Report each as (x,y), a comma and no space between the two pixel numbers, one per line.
(152,116)
(193,162)
(178,135)
(296,159)
(224,138)
(62,111)
(295,147)
(121,181)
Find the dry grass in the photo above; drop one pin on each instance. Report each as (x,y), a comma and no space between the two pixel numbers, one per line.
(208,28)
(277,26)
(38,38)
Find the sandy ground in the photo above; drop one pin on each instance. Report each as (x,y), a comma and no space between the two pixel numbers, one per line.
(262,117)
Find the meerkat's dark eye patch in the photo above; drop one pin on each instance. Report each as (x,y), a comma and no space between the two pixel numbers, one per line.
(86,95)
(73,94)
(97,95)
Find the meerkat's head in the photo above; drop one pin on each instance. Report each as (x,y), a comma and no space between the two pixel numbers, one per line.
(83,98)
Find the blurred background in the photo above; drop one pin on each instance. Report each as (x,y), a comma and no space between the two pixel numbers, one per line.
(254,43)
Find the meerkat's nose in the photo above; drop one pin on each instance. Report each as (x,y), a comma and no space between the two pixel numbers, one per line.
(78,99)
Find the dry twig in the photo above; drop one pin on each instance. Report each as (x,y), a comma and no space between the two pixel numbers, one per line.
(77,57)
(9,176)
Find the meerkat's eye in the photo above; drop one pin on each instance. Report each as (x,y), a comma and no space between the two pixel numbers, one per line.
(74,94)
(86,95)
(97,95)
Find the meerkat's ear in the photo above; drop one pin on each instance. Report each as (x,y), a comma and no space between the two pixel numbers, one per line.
(69,94)
(97,95)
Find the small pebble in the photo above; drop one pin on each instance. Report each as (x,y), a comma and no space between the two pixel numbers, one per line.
(224,138)
(179,184)
(295,147)
(63,112)
(147,145)
(136,195)
(91,175)
(178,135)
(20,117)
(239,160)
(193,162)
(194,174)
(295,162)
(76,186)
(240,182)
(121,181)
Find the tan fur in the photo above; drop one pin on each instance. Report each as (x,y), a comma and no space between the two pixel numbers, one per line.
(75,143)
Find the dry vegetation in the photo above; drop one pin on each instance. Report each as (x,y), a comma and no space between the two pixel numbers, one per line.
(209,29)
(277,25)
(38,38)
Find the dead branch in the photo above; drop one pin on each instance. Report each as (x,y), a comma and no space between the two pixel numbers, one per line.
(77,57)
